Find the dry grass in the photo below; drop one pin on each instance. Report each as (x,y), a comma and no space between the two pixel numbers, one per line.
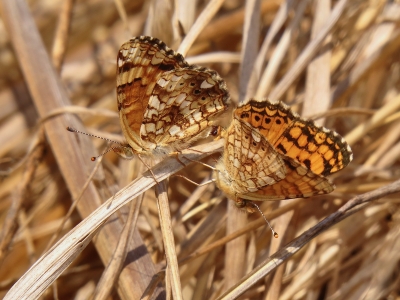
(340,63)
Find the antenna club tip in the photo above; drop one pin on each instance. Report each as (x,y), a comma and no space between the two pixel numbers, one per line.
(93,158)
(69,129)
(276,235)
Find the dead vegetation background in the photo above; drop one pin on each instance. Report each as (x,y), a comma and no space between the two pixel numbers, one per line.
(335,59)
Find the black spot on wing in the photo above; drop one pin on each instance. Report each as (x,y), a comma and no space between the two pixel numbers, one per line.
(166,67)
(283,150)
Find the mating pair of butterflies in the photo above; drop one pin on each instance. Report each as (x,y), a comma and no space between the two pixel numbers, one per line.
(270,153)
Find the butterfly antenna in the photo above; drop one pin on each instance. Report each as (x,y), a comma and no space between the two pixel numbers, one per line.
(99,137)
(274,233)
(92,135)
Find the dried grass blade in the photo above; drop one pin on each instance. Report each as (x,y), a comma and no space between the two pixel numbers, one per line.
(251,32)
(168,239)
(47,269)
(9,227)
(308,52)
(201,22)
(318,82)
(362,129)
(346,86)
(279,54)
(109,277)
(294,246)
(276,25)
(62,34)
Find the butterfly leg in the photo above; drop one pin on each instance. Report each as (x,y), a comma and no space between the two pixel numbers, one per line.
(176,154)
(148,168)
(199,162)
(191,160)
(195,183)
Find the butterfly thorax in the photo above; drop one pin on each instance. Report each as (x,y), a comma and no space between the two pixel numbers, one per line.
(232,188)
(225,182)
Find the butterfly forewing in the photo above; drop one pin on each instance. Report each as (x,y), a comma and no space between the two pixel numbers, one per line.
(319,149)
(183,106)
(272,154)
(164,103)
(250,158)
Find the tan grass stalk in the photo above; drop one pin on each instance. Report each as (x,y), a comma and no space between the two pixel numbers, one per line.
(54,262)
(294,246)
(308,52)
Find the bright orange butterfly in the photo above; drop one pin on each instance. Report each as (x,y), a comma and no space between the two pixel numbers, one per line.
(272,154)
